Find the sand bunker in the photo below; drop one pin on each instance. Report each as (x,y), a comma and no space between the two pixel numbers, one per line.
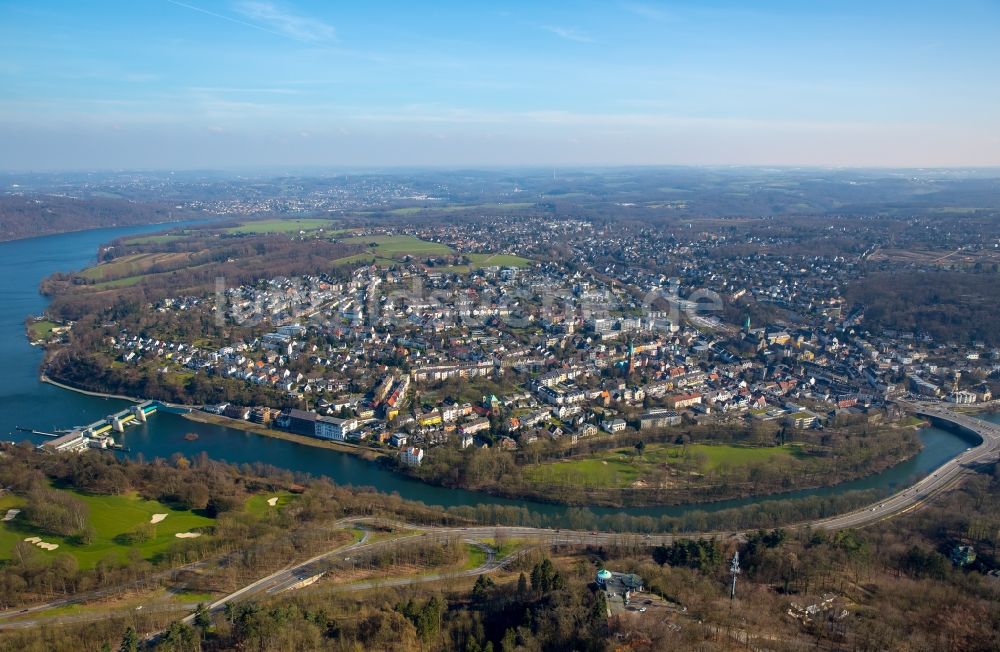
(41,544)
(11,513)
(272,501)
(156,518)
(188,535)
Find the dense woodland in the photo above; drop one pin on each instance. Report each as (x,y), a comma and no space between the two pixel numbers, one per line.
(190,268)
(27,216)
(889,587)
(950,306)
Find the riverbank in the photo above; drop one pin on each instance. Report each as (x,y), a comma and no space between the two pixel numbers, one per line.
(568,496)
(363,452)
(651,497)
(86,392)
(197,414)
(144,225)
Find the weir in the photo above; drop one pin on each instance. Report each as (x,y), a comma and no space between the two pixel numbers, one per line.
(97,434)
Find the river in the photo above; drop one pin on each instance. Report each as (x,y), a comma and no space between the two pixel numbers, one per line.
(25,401)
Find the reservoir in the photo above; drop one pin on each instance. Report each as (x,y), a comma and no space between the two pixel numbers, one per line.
(25,401)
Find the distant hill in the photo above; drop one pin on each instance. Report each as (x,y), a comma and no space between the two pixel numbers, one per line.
(26,216)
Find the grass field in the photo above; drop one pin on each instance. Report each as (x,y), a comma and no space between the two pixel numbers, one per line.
(257,505)
(474,557)
(110,517)
(119,282)
(391,249)
(42,330)
(286,226)
(134,265)
(622,467)
(410,210)
(497,260)
(156,239)
(478,261)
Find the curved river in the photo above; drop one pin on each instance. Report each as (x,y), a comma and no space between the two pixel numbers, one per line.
(24,401)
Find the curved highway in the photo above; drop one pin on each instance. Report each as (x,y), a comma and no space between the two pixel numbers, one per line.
(942,479)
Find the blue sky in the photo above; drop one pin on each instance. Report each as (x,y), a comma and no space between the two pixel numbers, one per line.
(197,84)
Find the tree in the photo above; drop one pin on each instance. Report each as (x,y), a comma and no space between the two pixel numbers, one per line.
(522,586)
(130,641)
(202,619)
(181,638)
(640,446)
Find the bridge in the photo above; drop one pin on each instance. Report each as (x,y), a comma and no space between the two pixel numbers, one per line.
(946,477)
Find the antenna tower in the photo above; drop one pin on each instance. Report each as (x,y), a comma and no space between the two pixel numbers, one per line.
(734,570)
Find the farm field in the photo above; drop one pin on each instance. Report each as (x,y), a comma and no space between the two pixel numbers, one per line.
(133,265)
(479,261)
(286,226)
(156,239)
(390,249)
(411,210)
(622,467)
(110,516)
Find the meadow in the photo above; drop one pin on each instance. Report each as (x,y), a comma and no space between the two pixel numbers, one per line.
(622,467)
(111,517)
(291,226)
(42,329)
(390,249)
(132,265)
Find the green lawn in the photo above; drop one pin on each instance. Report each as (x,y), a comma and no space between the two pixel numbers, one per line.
(42,330)
(110,516)
(365,259)
(391,249)
(134,265)
(621,467)
(155,239)
(119,282)
(286,226)
(410,210)
(257,505)
(475,557)
(193,597)
(397,246)
(497,260)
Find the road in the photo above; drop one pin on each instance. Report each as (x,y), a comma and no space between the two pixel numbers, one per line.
(944,478)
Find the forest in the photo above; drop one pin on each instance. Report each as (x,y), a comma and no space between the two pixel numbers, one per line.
(950,306)
(27,216)
(890,586)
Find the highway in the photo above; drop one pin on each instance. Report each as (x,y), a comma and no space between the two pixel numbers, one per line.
(942,479)
(945,477)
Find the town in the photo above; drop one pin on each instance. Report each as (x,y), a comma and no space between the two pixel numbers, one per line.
(429,351)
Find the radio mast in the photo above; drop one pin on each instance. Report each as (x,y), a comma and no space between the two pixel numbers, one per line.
(734,570)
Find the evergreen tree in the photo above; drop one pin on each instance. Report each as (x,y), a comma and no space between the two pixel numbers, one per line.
(130,642)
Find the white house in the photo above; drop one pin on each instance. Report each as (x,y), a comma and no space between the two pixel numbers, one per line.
(411,456)
(334,428)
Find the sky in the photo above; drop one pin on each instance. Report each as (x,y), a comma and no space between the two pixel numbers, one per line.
(193,84)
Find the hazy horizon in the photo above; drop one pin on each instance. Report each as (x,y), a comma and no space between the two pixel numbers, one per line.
(171,85)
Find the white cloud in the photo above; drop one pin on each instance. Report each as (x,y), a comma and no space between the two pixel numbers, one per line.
(568,33)
(301,28)
(649,11)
